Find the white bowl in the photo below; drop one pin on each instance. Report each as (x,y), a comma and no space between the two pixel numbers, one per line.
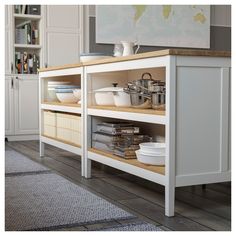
(149,159)
(152,147)
(67,98)
(77,93)
(92,57)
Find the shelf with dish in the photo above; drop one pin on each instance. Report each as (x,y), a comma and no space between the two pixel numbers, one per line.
(132,166)
(137,94)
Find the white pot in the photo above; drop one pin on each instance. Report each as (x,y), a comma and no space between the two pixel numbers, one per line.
(111,96)
(104,97)
(121,98)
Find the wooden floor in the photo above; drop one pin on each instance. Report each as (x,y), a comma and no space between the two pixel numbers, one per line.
(197,208)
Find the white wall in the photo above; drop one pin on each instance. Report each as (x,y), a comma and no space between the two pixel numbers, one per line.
(220,14)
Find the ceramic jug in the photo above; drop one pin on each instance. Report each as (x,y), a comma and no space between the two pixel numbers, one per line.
(129,48)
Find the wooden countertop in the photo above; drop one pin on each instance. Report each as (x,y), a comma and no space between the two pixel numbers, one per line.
(159,53)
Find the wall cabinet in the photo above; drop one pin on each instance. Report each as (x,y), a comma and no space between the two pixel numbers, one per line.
(62,34)
(21,107)
(59,43)
(9,104)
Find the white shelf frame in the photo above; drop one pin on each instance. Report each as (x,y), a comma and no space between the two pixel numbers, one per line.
(70,109)
(171,179)
(168,180)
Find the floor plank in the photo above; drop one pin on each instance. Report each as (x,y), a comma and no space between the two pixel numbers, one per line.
(196,209)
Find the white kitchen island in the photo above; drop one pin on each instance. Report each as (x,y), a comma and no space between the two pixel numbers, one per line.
(195,122)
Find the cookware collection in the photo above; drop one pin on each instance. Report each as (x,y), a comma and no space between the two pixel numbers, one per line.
(143,93)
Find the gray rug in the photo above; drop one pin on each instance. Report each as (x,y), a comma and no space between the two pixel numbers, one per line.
(49,201)
(134,227)
(16,163)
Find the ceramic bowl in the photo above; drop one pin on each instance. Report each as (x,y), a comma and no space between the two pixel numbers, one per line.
(77,93)
(150,159)
(67,98)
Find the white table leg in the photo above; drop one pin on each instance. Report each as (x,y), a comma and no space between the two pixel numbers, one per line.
(41,148)
(87,168)
(169,201)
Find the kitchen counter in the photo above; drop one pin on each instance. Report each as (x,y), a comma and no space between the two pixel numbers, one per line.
(159,53)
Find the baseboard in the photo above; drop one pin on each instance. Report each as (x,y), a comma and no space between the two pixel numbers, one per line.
(22,137)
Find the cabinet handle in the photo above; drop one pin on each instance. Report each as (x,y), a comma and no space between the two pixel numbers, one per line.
(11,67)
(12,83)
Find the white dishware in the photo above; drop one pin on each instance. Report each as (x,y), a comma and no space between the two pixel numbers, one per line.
(67,98)
(150,159)
(152,147)
(77,93)
(93,56)
(112,96)
(104,97)
(129,48)
(118,50)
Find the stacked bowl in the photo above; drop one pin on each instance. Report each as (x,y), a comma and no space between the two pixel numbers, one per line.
(151,153)
(63,91)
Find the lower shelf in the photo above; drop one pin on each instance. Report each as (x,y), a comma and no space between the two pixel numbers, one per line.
(70,147)
(132,166)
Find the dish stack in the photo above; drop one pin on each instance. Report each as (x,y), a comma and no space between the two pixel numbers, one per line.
(63,91)
(121,139)
(151,153)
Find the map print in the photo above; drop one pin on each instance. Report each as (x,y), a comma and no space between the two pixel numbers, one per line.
(154,25)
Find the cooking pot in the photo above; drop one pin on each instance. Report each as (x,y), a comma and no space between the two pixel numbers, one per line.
(158,100)
(110,96)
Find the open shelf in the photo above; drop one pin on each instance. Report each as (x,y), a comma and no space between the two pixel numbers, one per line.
(132,166)
(63,107)
(71,147)
(142,115)
(27,16)
(31,46)
(134,162)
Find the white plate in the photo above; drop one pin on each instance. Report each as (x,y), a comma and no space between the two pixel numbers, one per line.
(150,160)
(152,147)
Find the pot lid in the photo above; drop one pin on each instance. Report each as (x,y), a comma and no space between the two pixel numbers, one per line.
(110,89)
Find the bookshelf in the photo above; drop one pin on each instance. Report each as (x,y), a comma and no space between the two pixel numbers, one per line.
(26,41)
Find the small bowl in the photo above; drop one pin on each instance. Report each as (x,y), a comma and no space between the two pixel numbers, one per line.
(152,147)
(77,93)
(150,159)
(67,98)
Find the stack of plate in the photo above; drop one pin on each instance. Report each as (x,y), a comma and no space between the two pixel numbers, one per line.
(151,153)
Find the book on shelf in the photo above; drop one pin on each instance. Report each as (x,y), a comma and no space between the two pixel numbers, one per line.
(23,9)
(26,63)
(27,33)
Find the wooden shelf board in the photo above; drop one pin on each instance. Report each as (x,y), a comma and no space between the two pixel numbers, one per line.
(27,16)
(134,162)
(62,141)
(62,104)
(31,46)
(129,109)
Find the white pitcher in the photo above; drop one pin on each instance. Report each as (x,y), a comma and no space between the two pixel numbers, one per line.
(129,48)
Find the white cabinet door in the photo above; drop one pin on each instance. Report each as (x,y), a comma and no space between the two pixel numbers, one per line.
(26,105)
(9,119)
(62,34)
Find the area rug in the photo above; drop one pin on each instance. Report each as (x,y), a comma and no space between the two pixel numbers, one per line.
(134,227)
(49,201)
(16,163)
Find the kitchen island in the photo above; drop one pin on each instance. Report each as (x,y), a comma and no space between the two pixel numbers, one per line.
(195,122)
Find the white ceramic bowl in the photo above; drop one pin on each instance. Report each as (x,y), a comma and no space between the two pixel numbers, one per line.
(152,148)
(85,58)
(67,98)
(77,93)
(150,159)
